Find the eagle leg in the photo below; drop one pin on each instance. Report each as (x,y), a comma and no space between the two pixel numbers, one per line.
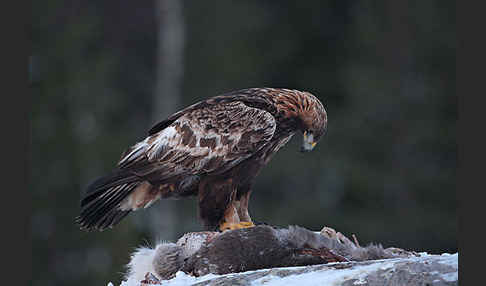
(230,218)
(221,207)
(236,215)
(243,208)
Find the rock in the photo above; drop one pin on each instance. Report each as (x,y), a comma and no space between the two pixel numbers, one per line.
(425,270)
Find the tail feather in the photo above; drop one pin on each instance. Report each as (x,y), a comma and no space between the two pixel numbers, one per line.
(96,213)
(105,200)
(112,218)
(101,204)
(116,178)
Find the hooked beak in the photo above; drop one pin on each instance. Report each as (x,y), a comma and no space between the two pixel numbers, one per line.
(308,142)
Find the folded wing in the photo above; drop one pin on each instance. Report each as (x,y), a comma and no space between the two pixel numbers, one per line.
(210,139)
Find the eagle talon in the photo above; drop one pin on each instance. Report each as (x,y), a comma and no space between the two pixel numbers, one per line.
(233,226)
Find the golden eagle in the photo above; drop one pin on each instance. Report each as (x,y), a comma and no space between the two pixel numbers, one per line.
(212,149)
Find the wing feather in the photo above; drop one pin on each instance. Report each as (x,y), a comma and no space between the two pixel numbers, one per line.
(209,139)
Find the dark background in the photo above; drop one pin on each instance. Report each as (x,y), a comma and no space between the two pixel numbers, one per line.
(102,72)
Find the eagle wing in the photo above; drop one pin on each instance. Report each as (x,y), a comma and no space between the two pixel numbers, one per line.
(210,139)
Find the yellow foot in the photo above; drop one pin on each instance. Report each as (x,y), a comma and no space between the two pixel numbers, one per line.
(231,226)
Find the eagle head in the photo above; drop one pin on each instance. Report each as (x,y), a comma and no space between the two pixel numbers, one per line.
(306,112)
(313,119)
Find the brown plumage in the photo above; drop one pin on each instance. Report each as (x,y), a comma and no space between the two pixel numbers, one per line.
(213,149)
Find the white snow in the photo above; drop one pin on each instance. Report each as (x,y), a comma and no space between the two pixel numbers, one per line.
(181,279)
(449,259)
(451,276)
(323,277)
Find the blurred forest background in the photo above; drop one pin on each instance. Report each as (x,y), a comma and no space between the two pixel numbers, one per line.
(103,72)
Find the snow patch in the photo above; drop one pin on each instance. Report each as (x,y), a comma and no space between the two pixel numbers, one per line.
(450,277)
(449,259)
(359,282)
(184,279)
(181,279)
(323,277)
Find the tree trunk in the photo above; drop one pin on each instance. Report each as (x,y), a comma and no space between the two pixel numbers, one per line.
(167,92)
